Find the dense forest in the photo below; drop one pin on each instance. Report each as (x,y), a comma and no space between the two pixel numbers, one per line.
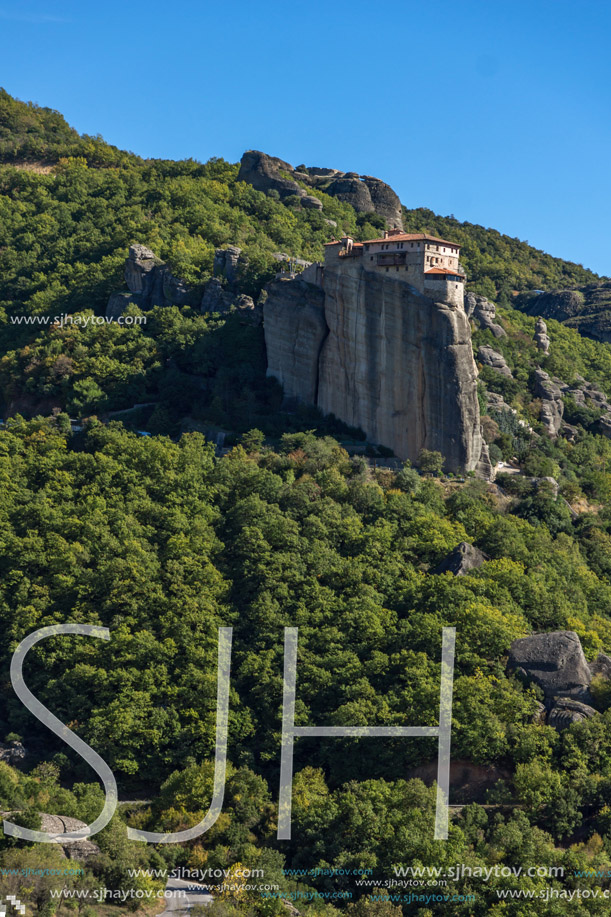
(163,539)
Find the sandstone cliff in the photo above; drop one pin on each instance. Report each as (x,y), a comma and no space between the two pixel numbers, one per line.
(295,328)
(380,356)
(364,192)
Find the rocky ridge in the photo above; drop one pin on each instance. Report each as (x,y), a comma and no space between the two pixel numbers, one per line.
(363,192)
(587,308)
(151,283)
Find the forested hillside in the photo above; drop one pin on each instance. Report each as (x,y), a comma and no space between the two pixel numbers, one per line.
(164,538)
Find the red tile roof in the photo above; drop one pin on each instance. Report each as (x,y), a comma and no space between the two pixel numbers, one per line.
(444,270)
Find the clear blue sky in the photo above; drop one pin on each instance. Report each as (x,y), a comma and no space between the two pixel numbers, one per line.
(496,112)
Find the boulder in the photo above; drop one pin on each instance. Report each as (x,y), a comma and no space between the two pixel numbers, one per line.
(496,361)
(565,712)
(461,560)
(571,433)
(555,662)
(541,337)
(601,666)
(13,753)
(61,824)
(311,202)
(552,405)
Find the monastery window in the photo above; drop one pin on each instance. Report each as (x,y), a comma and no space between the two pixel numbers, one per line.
(371,258)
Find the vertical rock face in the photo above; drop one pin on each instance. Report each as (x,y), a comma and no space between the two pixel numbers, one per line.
(399,366)
(295,329)
(381,356)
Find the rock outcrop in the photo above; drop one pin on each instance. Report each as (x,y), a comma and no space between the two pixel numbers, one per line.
(484,313)
(150,283)
(496,361)
(461,560)
(601,666)
(552,405)
(13,753)
(218,298)
(61,824)
(566,711)
(380,356)
(364,192)
(541,336)
(227,262)
(399,366)
(555,662)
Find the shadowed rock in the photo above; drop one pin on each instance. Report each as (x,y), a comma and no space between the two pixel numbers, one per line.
(13,753)
(555,662)
(461,560)
(295,329)
(566,711)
